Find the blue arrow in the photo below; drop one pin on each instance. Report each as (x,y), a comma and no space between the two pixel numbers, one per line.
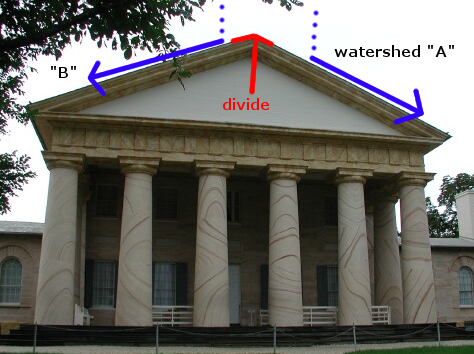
(93,76)
(417,111)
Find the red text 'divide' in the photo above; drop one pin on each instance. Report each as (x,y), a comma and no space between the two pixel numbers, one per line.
(233,105)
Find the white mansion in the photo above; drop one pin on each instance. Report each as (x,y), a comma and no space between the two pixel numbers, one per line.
(159,196)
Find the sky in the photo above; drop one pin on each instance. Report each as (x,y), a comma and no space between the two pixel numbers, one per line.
(444,83)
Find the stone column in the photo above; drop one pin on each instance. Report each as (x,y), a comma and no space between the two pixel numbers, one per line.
(134,286)
(84,197)
(285,303)
(55,293)
(419,305)
(369,225)
(211,281)
(353,263)
(388,277)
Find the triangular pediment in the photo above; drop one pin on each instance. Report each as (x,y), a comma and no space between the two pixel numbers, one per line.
(215,96)
(299,94)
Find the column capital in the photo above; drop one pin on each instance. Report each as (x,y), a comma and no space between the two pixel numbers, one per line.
(352,175)
(386,197)
(220,168)
(414,178)
(383,195)
(64,160)
(292,172)
(138,165)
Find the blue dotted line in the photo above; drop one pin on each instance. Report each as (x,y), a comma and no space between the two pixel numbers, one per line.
(314,26)
(221,20)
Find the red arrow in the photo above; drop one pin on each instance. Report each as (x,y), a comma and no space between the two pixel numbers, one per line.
(256,38)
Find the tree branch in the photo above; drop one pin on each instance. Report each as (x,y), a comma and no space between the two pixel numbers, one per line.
(39,37)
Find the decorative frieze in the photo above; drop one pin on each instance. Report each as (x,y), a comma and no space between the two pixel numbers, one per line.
(120,140)
(292,151)
(97,138)
(77,137)
(172,143)
(221,146)
(314,152)
(357,154)
(140,141)
(268,149)
(245,147)
(379,156)
(399,157)
(416,158)
(196,144)
(321,155)
(336,153)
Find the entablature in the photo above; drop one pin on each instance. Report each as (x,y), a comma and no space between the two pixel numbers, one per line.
(103,138)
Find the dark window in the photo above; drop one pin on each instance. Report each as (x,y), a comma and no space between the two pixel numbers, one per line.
(107,201)
(103,284)
(264,287)
(327,285)
(167,204)
(170,284)
(10,281)
(465,286)
(233,206)
(164,284)
(330,211)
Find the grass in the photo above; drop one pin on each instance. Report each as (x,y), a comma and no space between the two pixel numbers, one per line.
(422,350)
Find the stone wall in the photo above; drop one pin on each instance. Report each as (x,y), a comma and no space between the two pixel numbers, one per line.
(446,264)
(26,248)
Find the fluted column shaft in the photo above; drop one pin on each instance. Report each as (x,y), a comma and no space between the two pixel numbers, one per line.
(134,286)
(285,303)
(353,263)
(419,304)
(211,282)
(55,293)
(388,277)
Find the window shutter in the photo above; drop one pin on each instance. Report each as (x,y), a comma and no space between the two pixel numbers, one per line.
(322,285)
(181,284)
(116,282)
(153,285)
(264,287)
(88,282)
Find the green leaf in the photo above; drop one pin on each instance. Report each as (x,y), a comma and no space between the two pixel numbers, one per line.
(128,53)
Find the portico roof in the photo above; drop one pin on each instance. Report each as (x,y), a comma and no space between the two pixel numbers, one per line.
(78,105)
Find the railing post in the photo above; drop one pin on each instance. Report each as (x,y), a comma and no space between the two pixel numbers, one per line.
(354,337)
(274,339)
(439,333)
(157,340)
(35,334)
